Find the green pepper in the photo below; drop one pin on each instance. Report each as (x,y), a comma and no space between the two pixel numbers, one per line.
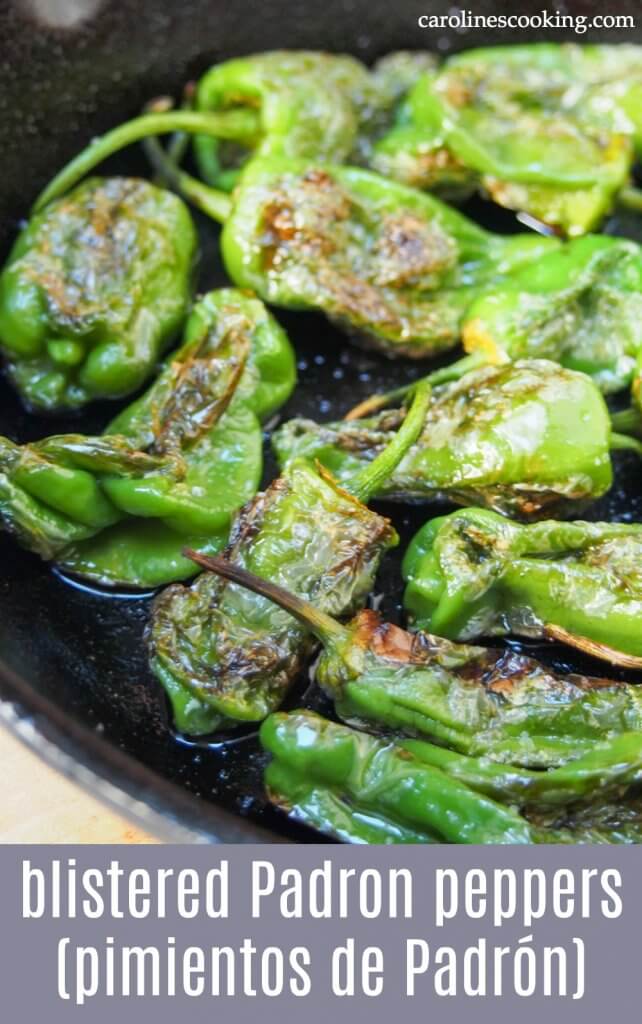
(308,105)
(363,790)
(523,439)
(483,703)
(224,656)
(171,469)
(544,129)
(474,573)
(95,287)
(393,266)
(581,306)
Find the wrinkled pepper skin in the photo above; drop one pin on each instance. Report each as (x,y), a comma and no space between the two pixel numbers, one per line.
(95,287)
(580,306)
(226,656)
(372,775)
(309,105)
(480,702)
(171,469)
(474,573)
(394,267)
(548,130)
(359,789)
(523,439)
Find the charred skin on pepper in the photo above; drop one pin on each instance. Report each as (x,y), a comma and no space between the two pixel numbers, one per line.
(524,439)
(94,289)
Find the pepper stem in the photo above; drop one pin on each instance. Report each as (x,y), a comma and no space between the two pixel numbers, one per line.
(322,625)
(627,421)
(622,442)
(441,376)
(630,198)
(240,125)
(368,481)
(213,202)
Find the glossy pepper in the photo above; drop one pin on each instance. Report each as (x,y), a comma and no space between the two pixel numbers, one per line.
(523,439)
(95,287)
(480,702)
(364,790)
(548,130)
(225,656)
(580,306)
(308,105)
(392,266)
(474,573)
(171,469)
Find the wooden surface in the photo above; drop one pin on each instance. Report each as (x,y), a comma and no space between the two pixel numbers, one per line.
(38,805)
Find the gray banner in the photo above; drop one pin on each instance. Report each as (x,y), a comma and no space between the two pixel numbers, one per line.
(425,932)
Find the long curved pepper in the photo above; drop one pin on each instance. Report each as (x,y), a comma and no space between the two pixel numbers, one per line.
(361,789)
(478,701)
(226,657)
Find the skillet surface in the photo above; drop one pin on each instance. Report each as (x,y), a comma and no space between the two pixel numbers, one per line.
(72,661)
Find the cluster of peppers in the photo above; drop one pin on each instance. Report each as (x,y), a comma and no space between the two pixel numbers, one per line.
(296,156)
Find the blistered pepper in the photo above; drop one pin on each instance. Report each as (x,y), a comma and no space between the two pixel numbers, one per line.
(225,656)
(95,287)
(394,267)
(474,573)
(525,439)
(580,306)
(171,469)
(480,702)
(547,130)
(360,789)
(308,105)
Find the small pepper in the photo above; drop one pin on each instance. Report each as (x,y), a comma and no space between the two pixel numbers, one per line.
(225,656)
(474,573)
(171,469)
(548,130)
(524,439)
(308,105)
(95,287)
(392,266)
(360,789)
(580,306)
(480,702)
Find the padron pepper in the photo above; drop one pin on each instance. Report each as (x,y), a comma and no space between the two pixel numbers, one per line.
(548,130)
(493,704)
(474,573)
(394,267)
(360,789)
(171,469)
(308,105)
(96,286)
(225,656)
(580,306)
(525,438)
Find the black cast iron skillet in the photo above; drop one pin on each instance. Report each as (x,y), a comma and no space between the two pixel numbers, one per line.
(73,676)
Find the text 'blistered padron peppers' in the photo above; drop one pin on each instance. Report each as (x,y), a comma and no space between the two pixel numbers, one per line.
(95,287)
(524,439)
(308,105)
(394,267)
(480,702)
(171,469)
(361,789)
(226,656)
(546,129)
(474,573)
